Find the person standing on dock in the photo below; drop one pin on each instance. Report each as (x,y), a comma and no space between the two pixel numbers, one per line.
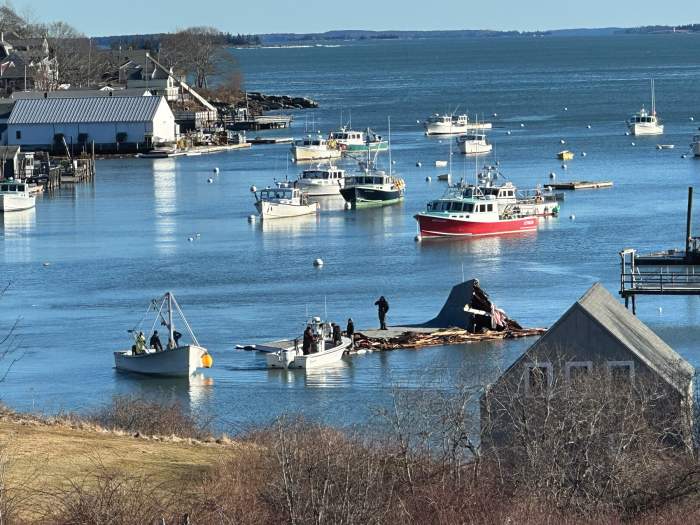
(382,308)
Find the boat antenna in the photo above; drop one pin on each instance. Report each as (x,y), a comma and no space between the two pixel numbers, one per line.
(389,144)
(463,272)
(653,98)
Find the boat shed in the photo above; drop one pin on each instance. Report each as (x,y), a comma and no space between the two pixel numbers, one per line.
(111,124)
(597,338)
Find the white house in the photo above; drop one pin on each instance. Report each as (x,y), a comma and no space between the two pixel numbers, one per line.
(112,124)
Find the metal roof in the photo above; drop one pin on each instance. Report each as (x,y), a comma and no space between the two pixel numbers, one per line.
(81,93)
(84,110)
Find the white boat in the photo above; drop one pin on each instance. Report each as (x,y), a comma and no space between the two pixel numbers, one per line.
(16,196)
(321,181)
(174,360)
(284,200)
(323,352)
(453,125)
(644,122)
(474,144)
(314,148)
(695,146)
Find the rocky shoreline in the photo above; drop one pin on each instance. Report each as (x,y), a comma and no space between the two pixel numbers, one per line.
(260,102)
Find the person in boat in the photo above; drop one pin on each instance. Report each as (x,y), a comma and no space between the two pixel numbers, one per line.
(155,342)
(350,331)
(140,343)
(308,341)
(382,308)
(177,335)
(337,335)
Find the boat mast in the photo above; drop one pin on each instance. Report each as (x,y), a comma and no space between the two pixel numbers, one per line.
(171,330)
(388,144)
(653,99)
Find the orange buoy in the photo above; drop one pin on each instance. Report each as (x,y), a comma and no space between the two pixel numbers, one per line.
(207,361)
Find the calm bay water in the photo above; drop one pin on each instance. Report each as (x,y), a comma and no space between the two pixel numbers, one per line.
(113,245)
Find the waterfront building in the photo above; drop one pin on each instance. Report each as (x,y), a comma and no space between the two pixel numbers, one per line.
(597,339)
(26,64)
(112,124)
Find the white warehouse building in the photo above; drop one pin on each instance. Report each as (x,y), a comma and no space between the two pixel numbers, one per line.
(112,124)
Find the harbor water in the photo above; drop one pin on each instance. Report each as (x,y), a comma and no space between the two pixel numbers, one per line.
(84,264)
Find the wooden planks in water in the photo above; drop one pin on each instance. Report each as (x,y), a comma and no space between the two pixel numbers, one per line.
(443,336)
(580,185)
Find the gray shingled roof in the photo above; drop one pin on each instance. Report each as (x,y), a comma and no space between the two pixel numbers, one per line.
(84,110)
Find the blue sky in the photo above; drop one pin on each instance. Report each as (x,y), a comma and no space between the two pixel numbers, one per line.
(102,17)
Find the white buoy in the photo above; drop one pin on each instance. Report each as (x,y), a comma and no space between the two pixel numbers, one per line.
(190,239)
(210,180)
(633,144)
(393,162)
(417,238)
(562,141)
(522,125)
(691,119)
(216,170)
(552,175)
(564,167)
(417,121)
(661,310)
(508,132)
(253,189)
(627,133)
(348,206)
(419,164)
(428,179)
(495,115)
(251,218)
(566,109)
(684,156)
(583,153)
(589,126)
(318,263)
(572,216)
(47,263)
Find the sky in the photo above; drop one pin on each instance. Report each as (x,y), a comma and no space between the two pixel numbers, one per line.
(106,17)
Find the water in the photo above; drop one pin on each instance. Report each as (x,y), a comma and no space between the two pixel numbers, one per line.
(113,245)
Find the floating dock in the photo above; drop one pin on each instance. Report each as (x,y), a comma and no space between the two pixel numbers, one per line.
(271,140)
(581,185)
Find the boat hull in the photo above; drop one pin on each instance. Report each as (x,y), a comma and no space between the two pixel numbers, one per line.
(362,148)
(274,210)
(359,196)
(9,202)
(293,359)
(180,362)
(468,148)
(440,128)
(641,130)
(304,154)
(434,226)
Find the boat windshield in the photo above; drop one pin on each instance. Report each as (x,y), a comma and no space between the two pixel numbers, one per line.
(451,206)
(360,179)
(276,193)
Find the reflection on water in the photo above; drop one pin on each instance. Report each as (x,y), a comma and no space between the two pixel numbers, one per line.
(329,202)
(17,227)
(291,227)
(490,246)
(165,203)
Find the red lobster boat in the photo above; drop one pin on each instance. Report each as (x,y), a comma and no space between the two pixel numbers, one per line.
(461,214)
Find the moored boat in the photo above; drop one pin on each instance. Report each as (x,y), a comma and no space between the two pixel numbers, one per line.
(16,196)
(282,201)
(322,181)
(322,349)
(644,122)
(566,155)
(351,141)
(453,125)
(314,148)
(175,360)
(462,214)
(474,144)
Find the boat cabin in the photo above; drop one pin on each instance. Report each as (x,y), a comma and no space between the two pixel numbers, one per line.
(312,141)
(643,117)
(368,180)
(347,136)
(473,137)
(333,174)
(461,206)
(13,188)
(281,195)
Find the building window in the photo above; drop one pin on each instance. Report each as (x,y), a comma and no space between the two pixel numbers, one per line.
(621,371)
(578,369)
(539,379)
(18,135)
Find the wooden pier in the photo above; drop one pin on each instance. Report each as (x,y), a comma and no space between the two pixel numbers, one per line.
(580,185)
(669,272)
(260,122)
(51,174)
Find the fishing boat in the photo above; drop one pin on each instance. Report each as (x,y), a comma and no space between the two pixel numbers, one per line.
(351,141)
(324,351)
(460,213)
(314,148)
(175,360)
(321,181)
(695,146)
(474,144)
(566,155)
(540,202)
(453,125)
(644,122)
(282,201)
(16,196)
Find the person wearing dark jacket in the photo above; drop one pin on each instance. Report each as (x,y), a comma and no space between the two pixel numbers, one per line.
(382,308)
(337,335)
(308,341)
(155,343)
(350,331)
